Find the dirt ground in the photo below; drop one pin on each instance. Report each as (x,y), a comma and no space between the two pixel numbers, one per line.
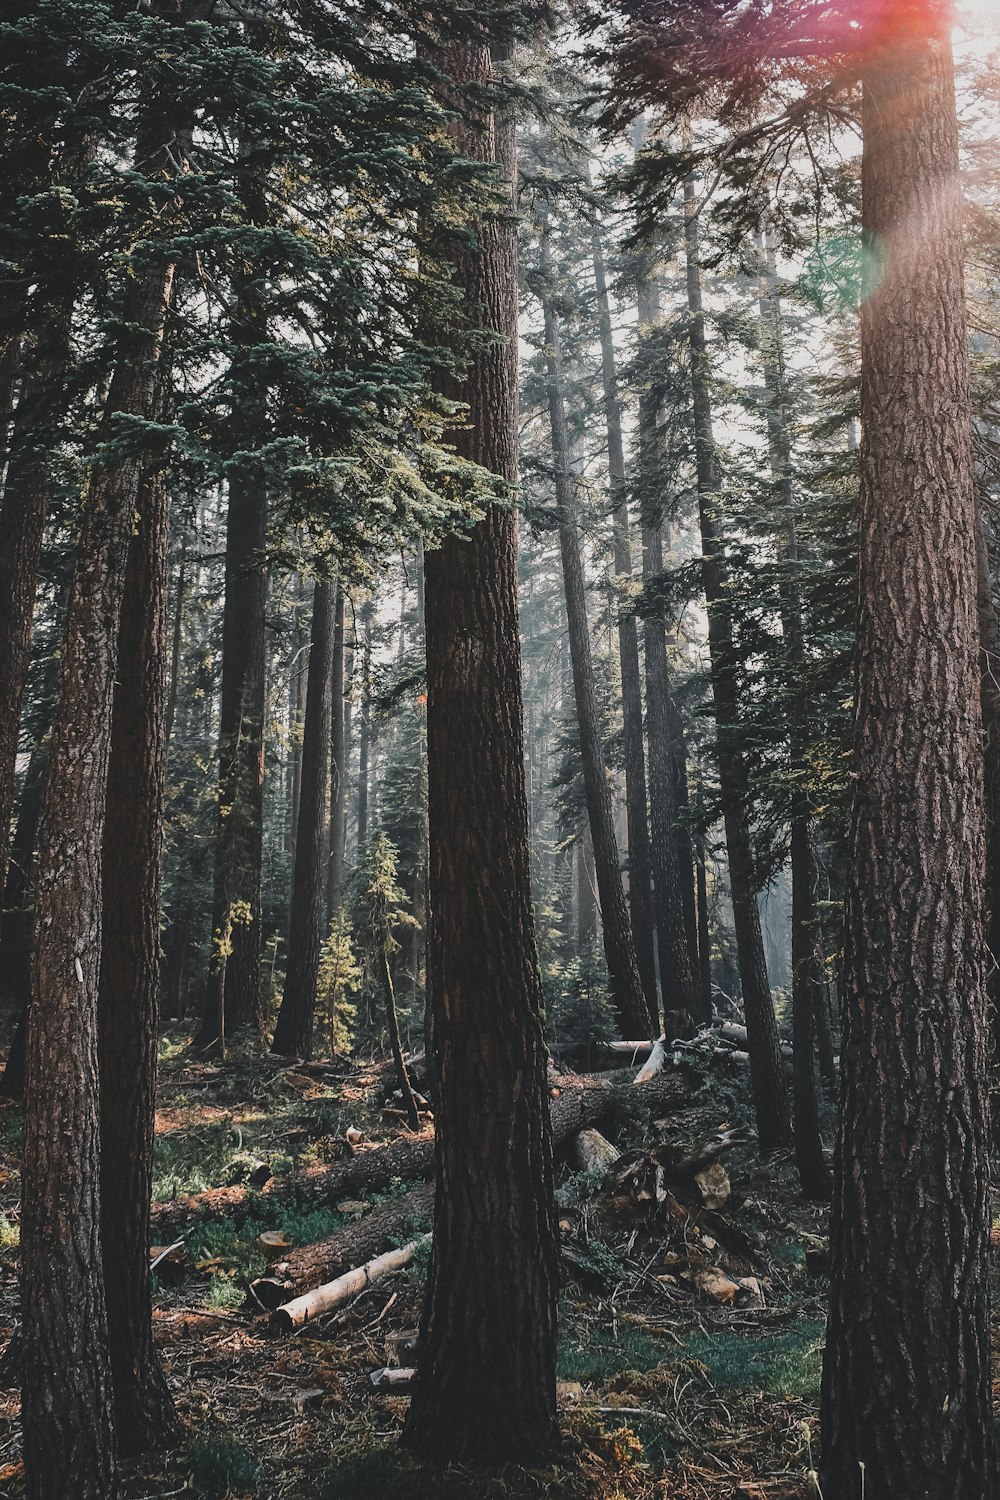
(690,1341)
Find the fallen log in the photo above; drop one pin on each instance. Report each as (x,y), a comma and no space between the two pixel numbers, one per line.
(592,1153)
(410,1157)
(351,1246)
(654,1063)
(334,1294)
(576,1101)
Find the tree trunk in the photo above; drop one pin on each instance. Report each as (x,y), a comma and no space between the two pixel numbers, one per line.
(365,734)
(635,1016)
(989,660)
(128,1000)
(906,1380)
(586,895)
(22,526)
(485,1392)
(233,990)
(681,991)
(808,998)
(399,1062)
(293,1031)
(704,934)
(766,1076)
(338,767)
(640,896)
(66,1389)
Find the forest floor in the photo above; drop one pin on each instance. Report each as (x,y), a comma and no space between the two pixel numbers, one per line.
(664,1390)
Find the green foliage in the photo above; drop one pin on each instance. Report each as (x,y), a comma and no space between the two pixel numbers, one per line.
(577,999)
(340,976)
(592,1352)
(222,1466)
(375,1473)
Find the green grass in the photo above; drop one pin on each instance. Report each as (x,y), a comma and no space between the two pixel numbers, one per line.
(221,1465)
(594,1353)
(785,1365)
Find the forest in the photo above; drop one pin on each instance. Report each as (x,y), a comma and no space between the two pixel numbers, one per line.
(499,749)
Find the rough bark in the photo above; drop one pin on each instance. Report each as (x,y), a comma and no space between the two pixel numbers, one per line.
(128,1000)
(486,1386)
(634,1012)
(767,1080)
(294,1028)
(22,525)
(640,895)
(66,1389)
(906,1381)
(989,662)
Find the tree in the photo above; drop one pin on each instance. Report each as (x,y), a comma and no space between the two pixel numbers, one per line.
(128,997)
(906,1381)
(293,1031)
(766,1074)
(66,1386)
(631,1003)
(486,1385)
(379,913)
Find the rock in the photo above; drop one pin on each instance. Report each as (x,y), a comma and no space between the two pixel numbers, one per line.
(713,1186)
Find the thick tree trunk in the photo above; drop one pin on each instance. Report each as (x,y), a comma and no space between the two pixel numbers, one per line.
(808,998)
(906,1381)
(486,1386)
(640,895)
(338,766)
(635,1015)
(128,1000)
(23,509)
(293,1031)
(766,1076)
(989,693)
(66,1389)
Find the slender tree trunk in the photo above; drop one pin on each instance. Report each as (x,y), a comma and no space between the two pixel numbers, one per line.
(704,935)
(677,978)
(69,1443)
(485,1389)
(338,767)
(766,1075)
(128,1002)
(396,1046)
(296,715)
(586,892)
(233,990)
(176,642)
(293,1031)
(808,998)
(365,735)
(640,896)
(635,1017)
(906,1380)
